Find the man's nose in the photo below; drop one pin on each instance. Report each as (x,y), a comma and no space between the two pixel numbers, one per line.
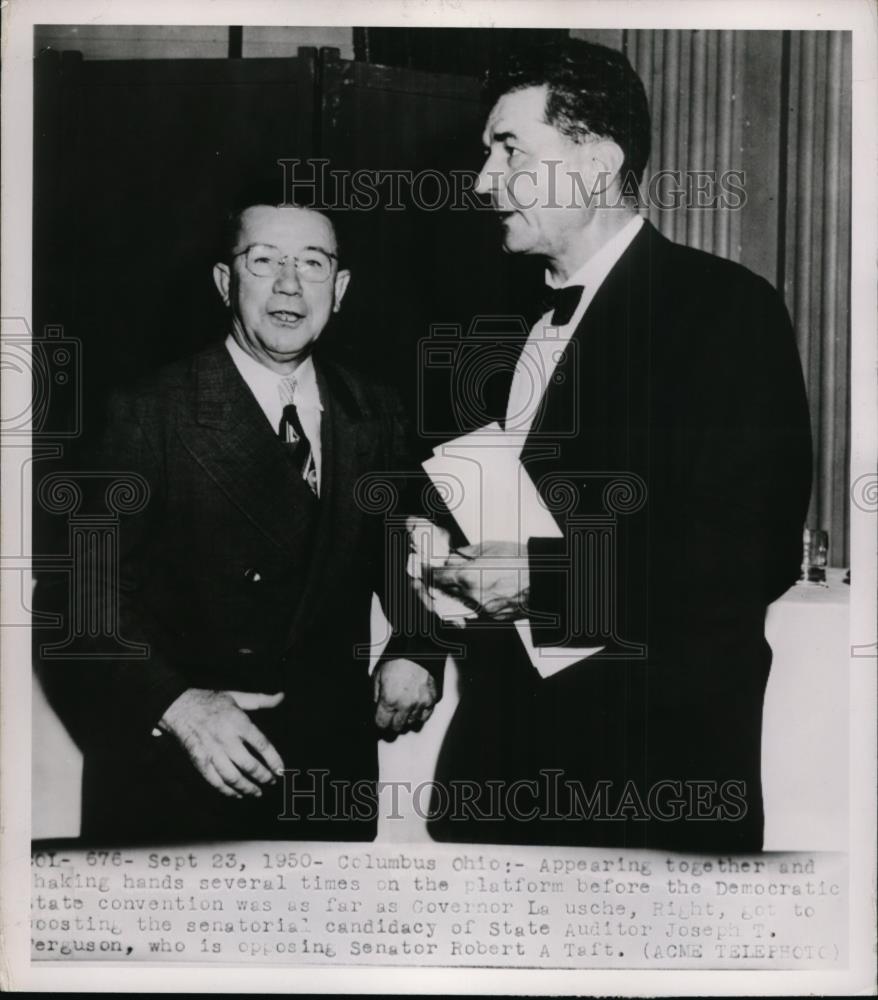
(488,181)
(288,281)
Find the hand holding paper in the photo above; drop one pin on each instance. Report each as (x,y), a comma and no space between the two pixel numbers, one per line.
(490,491)
(430,547)
(492,575)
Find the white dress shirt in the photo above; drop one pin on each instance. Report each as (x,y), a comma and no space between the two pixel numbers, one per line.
(540,356)
(265,386)
(544,347)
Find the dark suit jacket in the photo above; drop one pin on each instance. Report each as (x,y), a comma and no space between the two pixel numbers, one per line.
(236,578)
(675,455)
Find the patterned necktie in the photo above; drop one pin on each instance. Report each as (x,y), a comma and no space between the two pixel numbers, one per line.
(294,436)
(563,302)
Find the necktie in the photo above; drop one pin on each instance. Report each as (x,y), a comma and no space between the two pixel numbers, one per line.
(562,302)
(293,434)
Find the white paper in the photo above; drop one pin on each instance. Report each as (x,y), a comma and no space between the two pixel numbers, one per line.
(490,494)
(551,660)
(493,498)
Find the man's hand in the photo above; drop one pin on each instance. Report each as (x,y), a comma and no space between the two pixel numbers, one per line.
(492,577)
(426,541)
(226,748)
(404,694)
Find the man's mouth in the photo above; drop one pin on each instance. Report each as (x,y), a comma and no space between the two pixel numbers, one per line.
(286,317)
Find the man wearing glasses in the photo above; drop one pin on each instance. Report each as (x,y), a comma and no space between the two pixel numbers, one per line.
(249,573)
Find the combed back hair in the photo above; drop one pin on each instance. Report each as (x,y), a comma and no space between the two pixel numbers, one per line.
(592,91)
(267,193)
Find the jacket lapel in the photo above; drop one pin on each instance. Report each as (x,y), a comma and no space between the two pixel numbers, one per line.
(602,387)
(241,453)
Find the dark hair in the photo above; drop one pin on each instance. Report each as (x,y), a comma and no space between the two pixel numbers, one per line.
(592,90)
(267,192)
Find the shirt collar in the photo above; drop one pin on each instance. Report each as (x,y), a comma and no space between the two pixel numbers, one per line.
(599,265)
(307,394)
(264,382)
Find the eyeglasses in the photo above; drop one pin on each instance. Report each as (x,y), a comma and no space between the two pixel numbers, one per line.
(268,262)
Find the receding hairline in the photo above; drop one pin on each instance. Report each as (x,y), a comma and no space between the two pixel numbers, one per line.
(238,215)
(545,92)
(235,221)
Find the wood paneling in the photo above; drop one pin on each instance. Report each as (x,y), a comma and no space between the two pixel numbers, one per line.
(135,41)
(135,164)
(284,41)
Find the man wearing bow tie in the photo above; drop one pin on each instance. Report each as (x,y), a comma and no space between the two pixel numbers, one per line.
(666,428)
(248,574)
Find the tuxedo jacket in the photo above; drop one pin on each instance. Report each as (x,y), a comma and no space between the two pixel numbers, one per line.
(233,576)
(674,453)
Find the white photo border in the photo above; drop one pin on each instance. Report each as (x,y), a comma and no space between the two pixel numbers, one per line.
(858,16)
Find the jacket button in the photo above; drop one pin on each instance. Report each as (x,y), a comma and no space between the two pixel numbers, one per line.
(253,575)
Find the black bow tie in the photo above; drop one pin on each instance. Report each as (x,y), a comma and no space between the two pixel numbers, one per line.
(562,302)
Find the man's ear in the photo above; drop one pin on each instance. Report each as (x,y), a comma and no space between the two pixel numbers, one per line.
(600,161)
(222,278)
(341,286)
